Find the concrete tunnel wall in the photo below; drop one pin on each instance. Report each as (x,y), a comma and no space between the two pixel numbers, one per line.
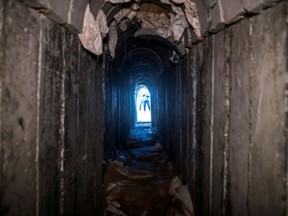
(226,128)
(52,122)
(230,118)
(222,117)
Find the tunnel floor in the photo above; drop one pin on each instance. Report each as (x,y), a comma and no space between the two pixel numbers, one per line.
(142,181)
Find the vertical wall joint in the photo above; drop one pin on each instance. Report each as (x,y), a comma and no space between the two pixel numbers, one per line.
(227,111)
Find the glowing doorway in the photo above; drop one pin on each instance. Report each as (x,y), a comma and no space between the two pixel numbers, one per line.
(143,104)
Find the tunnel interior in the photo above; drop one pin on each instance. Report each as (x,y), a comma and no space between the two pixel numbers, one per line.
(70,101)
(141,59)
(142,104)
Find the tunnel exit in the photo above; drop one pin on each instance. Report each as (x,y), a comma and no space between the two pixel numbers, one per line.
(143,104)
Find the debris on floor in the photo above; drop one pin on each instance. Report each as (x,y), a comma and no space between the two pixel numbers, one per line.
(141,181)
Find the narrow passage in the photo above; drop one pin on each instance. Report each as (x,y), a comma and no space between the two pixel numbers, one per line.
(142,181)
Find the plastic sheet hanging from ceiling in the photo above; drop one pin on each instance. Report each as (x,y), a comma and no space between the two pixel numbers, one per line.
(95,30)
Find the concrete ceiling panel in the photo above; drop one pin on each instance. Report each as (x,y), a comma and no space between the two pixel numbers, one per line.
(58,10)
(152,34)
(203,16)
(216,16)
(95,6)
(256,6)
(54,9)
(76,15)
(233,10)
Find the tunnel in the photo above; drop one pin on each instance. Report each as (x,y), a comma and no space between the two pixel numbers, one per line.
(208,79)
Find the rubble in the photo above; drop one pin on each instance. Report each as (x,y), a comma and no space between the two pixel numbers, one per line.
(141,181)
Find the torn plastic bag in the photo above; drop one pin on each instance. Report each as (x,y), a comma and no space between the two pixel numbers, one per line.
(178,23)
(91,37)
(113,37)
(101,21)
(181,194)
(93,31)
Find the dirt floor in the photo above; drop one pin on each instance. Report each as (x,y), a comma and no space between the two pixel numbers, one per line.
(142,181)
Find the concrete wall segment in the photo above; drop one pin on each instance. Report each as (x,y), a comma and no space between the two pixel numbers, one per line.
(239,118)
(268,159)
(218,132)
(257,6)
(206,139)
(19,55)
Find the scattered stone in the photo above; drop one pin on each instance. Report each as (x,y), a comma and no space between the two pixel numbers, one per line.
(141,181)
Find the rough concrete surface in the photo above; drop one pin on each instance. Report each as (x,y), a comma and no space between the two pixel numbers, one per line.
(207,125)
(268,158)
(218,123)
(41,105)
(221,113)
(239,118)
(18,109)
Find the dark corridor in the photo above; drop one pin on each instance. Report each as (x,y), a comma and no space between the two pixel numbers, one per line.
(216,72)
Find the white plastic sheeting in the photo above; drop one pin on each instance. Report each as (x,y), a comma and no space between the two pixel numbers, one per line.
(178,1)
(180,193)
(94,31)
(178,23)
(101,21)
(113,38)
(118,1)
(167,27)
(90,36)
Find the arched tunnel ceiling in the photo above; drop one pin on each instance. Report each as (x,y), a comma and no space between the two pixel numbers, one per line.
(174,20)
(142,67)
(139,42)
(202,16)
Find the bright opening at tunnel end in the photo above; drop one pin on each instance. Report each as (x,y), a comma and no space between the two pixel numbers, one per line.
(143,104)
